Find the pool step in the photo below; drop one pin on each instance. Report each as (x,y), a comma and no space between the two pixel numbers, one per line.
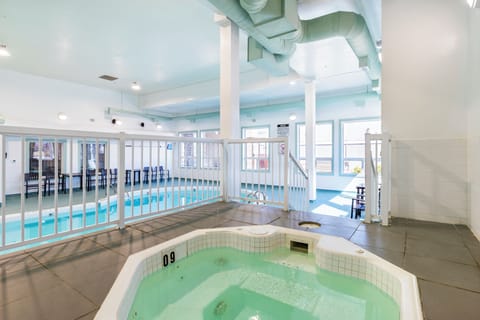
(323,303)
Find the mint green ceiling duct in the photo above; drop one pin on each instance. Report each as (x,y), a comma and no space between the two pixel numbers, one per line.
(275,28)
(353,28)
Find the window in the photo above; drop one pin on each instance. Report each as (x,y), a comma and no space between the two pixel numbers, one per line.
(188,150)
(255,155)
(323,146)
(48,155)
(210,152)
(353,143)
(91,155)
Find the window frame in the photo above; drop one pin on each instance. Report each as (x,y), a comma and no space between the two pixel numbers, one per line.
(202,165)
(181,163)
(341,143)
(297,146)
(267,149)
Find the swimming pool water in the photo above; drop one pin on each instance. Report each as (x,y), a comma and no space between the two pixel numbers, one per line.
(145,204)
(225,283)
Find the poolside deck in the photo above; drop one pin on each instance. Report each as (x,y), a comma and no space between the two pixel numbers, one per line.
(69,280)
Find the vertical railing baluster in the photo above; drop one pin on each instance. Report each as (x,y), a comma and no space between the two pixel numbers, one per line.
(286,194)
(109,180)
(22,194)
(96,180)
(4,229)
(142,167)
(70,187)
(84,182)
(40,181)
(121,181)
(55,195)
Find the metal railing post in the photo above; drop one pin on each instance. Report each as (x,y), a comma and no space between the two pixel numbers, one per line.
(386,179)
(121,182)
(368,180)
(285,173)
(225,167)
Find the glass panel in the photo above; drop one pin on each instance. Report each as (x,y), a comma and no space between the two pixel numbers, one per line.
(354,151)
(324,166)
(256,153)
(302,152)
(322,151)
(354,131)
(352,166)
(188,150)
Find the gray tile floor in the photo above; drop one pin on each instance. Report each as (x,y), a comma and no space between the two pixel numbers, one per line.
(69,280)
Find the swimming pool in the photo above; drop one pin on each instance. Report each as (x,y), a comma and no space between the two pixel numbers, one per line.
(257,272)
(135,206)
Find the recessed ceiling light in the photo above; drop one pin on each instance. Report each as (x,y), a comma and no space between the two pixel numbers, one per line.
(136,86)
(293,82)
(3,51)
(62,116)
(292,117)
(159,126)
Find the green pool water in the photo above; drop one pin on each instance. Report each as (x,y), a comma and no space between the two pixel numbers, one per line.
(224,283)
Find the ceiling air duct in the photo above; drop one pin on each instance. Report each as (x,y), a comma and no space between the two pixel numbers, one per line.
(274,28)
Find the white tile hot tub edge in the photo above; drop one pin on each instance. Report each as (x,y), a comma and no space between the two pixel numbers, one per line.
(331,253)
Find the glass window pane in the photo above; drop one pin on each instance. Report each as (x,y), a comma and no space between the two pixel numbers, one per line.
(302,152)
(354,151)
(354,131)
(352,166)
(256,153)
(324,166)
(323,151)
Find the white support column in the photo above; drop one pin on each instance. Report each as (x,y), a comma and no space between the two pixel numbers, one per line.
(229,100)
(229,78)
(310,121)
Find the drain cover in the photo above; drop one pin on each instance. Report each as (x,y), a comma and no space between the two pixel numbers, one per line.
(309,224)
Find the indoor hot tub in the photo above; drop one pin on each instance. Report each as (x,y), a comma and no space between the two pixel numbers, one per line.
(260,272)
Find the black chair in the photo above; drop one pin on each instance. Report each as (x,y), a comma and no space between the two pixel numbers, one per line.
(162,172)
(50,181)
(146,175)
(154,174)
(358,203)
(113,176)
(32,182)
(94,178)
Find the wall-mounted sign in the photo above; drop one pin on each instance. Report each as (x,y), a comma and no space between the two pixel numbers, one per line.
(282,130)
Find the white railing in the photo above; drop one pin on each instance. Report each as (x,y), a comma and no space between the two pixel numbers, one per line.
(298,185)
(377,177)
(58,183)
(258,171)
(45,193)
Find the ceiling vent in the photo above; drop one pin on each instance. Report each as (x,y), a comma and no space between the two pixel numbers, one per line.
(107,77)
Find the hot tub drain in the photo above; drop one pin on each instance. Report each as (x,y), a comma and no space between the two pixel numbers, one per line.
(220,308)
(221,261)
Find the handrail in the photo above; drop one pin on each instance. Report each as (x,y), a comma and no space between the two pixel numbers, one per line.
(374,170)
(377,207)
(298,165)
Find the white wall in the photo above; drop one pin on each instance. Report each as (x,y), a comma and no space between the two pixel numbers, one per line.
(332,108)
(33,101)
(474,124)
(425,50)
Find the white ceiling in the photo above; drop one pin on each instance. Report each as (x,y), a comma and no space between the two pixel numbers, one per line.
(170,47)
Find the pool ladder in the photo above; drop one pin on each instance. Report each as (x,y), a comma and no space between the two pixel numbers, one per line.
(258,197)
